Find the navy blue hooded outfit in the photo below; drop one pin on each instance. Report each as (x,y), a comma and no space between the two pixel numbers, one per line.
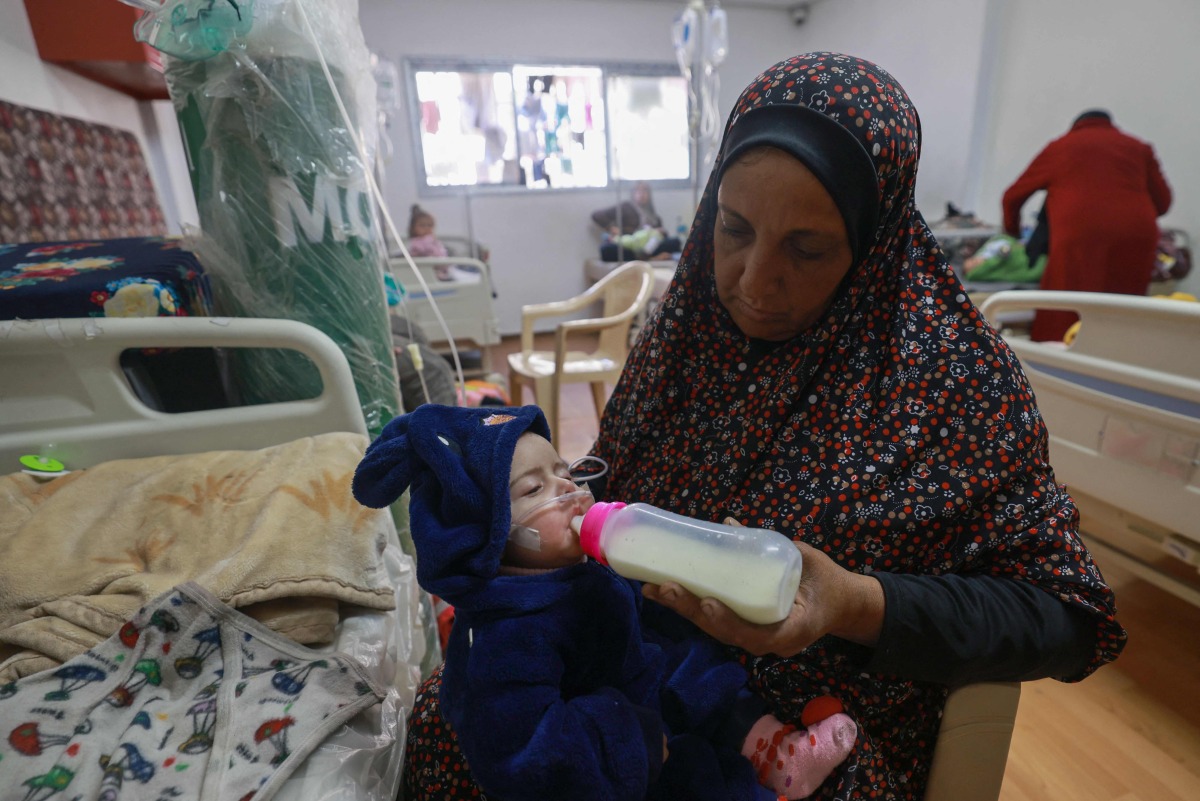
(551,682)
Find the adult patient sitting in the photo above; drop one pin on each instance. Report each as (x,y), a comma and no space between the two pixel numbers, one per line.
(816,367)
(634,230)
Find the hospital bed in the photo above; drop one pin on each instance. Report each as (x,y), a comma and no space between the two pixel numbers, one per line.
(465,302)
(1122,405)
(63,395)
(961,241)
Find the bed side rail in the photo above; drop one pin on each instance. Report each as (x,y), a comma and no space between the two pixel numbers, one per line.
(64,394)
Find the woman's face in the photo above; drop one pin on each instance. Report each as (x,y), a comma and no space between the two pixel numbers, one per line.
(780,245)
(539,475)
(641,194)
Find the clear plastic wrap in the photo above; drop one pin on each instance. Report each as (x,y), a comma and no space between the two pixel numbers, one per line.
(361,761)
(276,104)
(288,227)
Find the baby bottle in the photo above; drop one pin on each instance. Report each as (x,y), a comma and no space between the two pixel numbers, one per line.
(753,571)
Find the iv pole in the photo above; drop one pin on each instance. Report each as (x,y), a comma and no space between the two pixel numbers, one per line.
(701,39)
(617,184)
(694,113)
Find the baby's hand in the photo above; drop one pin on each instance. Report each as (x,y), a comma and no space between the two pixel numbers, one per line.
(664,748)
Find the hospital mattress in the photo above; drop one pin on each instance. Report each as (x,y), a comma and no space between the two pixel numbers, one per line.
(464,301)
(1122,406)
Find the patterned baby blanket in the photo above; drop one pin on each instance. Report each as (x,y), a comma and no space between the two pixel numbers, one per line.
(190,700)
(274,533)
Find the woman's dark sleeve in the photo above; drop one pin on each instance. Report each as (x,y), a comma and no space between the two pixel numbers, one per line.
(959,630)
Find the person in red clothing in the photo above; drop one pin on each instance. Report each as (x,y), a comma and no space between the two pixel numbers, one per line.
(1104,193)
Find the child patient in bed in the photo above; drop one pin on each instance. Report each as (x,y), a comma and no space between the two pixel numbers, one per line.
(423,241)
(560,680)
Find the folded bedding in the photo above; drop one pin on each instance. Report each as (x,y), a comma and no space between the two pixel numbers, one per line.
(274,533)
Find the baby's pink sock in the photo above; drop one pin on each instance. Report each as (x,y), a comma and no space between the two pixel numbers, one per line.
(793,762)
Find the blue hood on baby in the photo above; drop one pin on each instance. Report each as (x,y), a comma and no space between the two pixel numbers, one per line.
(457,462)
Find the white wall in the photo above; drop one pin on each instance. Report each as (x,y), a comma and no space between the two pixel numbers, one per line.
(934,49)
(28,81)
(539,241)
(994,80)
(1141,61)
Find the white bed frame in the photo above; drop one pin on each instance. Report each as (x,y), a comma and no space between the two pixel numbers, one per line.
(465,304)
(1122,405)
(63,394)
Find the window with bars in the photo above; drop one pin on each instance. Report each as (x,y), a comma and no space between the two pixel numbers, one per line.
(548,126)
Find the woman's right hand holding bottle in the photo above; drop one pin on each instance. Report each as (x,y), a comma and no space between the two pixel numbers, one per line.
(829,600)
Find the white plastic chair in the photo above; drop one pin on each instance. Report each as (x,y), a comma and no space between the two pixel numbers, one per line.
(971,750)
(623,293)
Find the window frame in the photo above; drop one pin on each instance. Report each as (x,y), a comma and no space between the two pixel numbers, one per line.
(642,69)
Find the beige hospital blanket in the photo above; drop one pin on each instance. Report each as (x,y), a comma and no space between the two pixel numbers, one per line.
(274,532)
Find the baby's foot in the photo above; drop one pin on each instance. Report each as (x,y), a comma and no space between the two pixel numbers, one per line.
(793,762)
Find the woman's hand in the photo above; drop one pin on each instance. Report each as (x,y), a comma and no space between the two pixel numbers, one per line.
(829,600)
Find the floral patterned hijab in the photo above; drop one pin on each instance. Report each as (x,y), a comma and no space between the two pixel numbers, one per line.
(897,434)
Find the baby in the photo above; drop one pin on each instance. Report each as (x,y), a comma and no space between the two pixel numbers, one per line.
(560,681)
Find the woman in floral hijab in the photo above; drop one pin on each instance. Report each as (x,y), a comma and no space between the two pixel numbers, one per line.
(816,368)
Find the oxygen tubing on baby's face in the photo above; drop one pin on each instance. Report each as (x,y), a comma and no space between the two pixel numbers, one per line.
(526,536)
(582,475)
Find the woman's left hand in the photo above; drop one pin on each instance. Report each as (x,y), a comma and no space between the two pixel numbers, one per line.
(829,600)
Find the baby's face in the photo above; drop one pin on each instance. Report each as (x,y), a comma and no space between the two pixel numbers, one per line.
(539,475)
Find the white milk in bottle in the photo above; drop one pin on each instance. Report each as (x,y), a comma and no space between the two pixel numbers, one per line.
(753,571)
